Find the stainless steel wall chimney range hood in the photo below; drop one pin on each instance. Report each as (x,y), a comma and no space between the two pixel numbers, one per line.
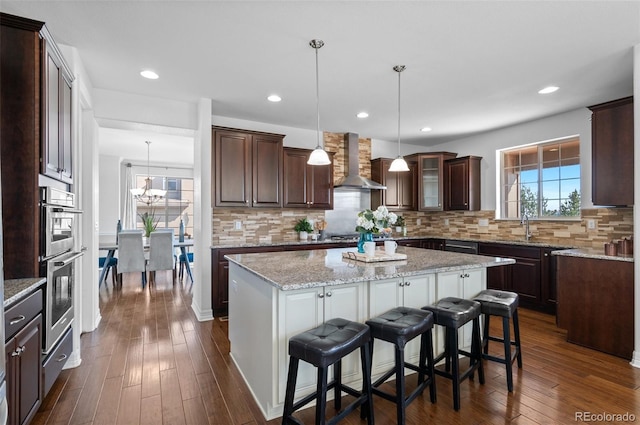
(353,177)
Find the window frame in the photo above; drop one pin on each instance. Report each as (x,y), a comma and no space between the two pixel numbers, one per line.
(501,198)
(161,208)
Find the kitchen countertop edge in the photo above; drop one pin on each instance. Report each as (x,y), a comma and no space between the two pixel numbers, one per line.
(17,289)
(592,253)
(455,265)
(403,238)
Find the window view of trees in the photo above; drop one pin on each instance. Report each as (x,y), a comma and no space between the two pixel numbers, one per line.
(542,180)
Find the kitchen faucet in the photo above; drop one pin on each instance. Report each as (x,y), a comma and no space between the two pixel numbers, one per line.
(525,221)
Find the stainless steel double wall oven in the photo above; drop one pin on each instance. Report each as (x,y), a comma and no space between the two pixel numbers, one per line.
(58,215)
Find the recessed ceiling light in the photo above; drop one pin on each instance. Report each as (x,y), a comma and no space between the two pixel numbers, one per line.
(425,129)
(147,73)
(362,115)
(548,90)
(274,98)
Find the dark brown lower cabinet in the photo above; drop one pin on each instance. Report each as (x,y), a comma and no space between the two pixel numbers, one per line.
(413,243)
(437,244)
(532,276)
(23,359)
(595,303)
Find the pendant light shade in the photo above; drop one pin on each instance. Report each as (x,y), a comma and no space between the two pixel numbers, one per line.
(146,194)
(399,164)
(319,156)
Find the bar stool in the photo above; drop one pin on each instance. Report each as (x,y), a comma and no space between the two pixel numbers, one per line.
(453,313)
(505,305)
(399,326)
(322,347)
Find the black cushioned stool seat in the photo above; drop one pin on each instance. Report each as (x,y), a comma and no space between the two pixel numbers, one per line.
(322,347)
(399,326)
(503,304)
(453,313)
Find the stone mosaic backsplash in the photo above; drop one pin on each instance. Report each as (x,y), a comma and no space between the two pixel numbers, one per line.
(275,225)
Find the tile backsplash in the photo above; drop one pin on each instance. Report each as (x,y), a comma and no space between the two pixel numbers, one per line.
(275,225)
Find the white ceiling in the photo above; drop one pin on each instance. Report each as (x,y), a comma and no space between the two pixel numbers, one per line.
(472,66)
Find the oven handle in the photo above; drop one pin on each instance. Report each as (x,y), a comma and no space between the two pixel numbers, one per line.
(68,260)
(66,210)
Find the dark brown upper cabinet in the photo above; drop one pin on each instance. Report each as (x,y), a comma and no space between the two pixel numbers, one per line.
(612,152)
(247,168)
(306,186)
(431,179)
(462,183)
(401,193)
(56,149)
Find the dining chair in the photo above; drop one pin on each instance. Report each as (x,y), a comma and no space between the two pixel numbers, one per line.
(112,262)
(161,255)
(131,254)
(184,258)
(112,265)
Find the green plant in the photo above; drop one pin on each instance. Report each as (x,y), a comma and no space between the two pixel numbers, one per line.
(303,225)
(400,221)
(148,223)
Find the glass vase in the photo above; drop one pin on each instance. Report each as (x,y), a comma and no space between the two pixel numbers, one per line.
(364,237)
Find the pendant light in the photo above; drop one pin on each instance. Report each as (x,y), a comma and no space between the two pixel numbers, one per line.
(399,164)
(319,156)
(146,194)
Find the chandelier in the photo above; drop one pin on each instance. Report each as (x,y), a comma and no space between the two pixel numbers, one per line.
(146,194)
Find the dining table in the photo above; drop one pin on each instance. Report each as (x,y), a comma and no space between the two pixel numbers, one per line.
(112,247)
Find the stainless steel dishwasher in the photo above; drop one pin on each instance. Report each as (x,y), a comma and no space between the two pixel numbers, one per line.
(466,247)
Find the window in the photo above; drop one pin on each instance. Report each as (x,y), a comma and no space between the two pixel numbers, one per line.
(542,180)
(176,205)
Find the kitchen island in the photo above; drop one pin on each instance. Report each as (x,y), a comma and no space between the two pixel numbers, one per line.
(274,296)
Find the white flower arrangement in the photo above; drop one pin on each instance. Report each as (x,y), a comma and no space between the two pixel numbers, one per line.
(375,221)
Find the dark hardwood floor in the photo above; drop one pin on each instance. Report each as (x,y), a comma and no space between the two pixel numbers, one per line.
(151,362)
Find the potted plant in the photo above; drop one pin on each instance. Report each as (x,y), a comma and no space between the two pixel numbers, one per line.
(401,227)
(149,223)
(303,227)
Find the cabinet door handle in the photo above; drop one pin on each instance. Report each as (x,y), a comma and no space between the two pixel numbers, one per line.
(18,351)
(17,319)
(255,202)
(407,284)
(321,295)
(329,294)
(546,255)
(400,284)
(62,358)
(246,201)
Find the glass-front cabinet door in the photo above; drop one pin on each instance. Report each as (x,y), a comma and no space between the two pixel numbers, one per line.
(430,180)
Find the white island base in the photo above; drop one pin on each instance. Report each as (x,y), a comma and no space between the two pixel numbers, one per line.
(264,314)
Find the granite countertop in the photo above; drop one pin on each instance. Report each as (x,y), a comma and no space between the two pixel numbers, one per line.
(592,253)
(16,289)
(290,270)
